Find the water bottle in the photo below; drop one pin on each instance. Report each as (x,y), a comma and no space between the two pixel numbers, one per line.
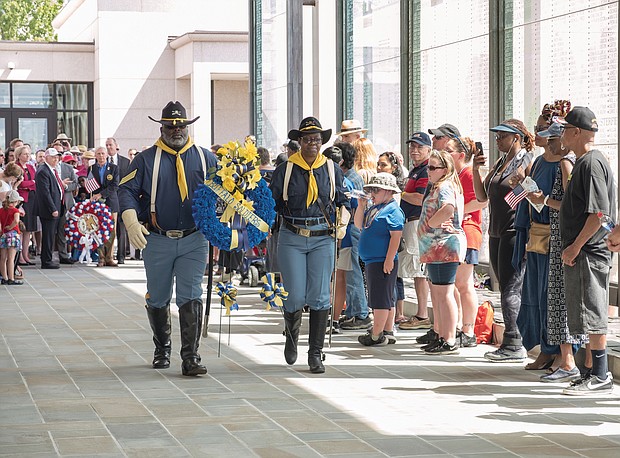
(358,194)
(606,222)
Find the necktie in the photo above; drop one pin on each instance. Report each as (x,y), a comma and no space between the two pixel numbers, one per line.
(60,183)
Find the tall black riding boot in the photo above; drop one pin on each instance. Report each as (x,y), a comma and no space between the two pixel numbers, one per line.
(159,318)
(190,319)
(316,337)
(292,323)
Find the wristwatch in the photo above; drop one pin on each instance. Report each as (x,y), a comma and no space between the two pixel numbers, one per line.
(545,200)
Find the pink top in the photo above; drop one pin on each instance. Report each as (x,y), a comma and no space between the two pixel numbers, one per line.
(28,184)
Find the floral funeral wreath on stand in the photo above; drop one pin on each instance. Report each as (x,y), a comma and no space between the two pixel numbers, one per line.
(89,225)
(247,208)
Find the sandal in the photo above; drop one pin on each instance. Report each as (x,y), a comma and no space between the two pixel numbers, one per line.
(542,362)
(401,319)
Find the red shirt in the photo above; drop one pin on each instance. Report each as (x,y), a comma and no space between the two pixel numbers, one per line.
(7,217)
(472,222)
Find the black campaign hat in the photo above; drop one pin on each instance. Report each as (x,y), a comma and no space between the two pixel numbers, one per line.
(310,125)
(174,114)
(583,118)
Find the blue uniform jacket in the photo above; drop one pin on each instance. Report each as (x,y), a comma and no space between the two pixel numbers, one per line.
(109,187)
(171,213)
(298,190)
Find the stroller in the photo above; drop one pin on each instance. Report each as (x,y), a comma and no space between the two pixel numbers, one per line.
(253,265)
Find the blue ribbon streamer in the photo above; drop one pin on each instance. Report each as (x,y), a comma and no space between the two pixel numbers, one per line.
(228,293)
(272,293)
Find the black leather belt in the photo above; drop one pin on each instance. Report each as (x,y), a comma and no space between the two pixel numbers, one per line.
(174,233)
(413,218)
(306,232)
(305,221)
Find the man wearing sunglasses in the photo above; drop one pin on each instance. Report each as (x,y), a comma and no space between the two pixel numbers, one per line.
(158,219)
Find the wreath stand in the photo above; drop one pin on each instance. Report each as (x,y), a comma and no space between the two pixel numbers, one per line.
(247,215)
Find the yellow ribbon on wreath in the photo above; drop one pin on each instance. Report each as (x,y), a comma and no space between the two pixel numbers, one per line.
(240,207)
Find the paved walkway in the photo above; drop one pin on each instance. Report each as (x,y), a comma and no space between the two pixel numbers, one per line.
(75,381)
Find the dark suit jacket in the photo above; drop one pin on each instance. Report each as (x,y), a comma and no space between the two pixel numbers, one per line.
(123,165)
(48,193)
(109,188)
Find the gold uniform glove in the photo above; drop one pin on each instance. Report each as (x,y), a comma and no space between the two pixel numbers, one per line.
(343,216)
(135,230)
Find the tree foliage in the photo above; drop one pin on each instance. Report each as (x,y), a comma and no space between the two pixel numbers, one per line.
(28,20)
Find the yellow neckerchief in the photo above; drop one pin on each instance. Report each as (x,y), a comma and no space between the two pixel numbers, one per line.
(182,182)
(313,188)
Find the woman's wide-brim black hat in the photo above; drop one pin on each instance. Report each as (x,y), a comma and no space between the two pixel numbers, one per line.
(174,114)
(308,126)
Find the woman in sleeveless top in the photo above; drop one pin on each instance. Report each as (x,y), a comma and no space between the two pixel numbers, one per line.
(515,143)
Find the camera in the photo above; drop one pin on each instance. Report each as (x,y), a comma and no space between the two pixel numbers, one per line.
(64,143)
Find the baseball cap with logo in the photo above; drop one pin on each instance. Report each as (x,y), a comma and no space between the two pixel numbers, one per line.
(583,118)
(421,138)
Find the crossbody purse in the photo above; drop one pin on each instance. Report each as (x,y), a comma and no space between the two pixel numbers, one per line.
(539,235)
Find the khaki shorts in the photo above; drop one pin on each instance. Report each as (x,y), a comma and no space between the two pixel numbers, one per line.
(344,259)
(409,265)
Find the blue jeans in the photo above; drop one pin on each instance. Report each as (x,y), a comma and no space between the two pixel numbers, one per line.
(357,304)
(306,264)
(165,259)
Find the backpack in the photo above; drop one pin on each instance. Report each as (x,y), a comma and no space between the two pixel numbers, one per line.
(484,323)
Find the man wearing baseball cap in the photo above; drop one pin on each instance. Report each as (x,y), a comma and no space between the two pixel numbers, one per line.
(442,135)
(590,194)
(411,203)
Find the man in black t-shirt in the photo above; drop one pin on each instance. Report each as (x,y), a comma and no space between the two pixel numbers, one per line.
(587,262)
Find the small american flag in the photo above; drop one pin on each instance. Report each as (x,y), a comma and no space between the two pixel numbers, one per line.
(91,184)
(515,196)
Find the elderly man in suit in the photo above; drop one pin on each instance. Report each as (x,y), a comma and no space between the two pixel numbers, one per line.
(70,183)
(106,174)
(111,146)
(50,190)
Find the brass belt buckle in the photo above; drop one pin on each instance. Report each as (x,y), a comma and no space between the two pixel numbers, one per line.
(304,232)
(174,234)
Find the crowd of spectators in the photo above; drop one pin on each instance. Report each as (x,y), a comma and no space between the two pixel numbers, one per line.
(70,167)
(546,244)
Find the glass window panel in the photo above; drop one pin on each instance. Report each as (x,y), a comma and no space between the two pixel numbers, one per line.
(528,11)
(32,95)
(448,21)
(374,63)
(71,96)
(570,55)
(271,89)
(3,140)
(5,95)
(33,131)
(454,71)
(376,102)
(376,25)
(75,125)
